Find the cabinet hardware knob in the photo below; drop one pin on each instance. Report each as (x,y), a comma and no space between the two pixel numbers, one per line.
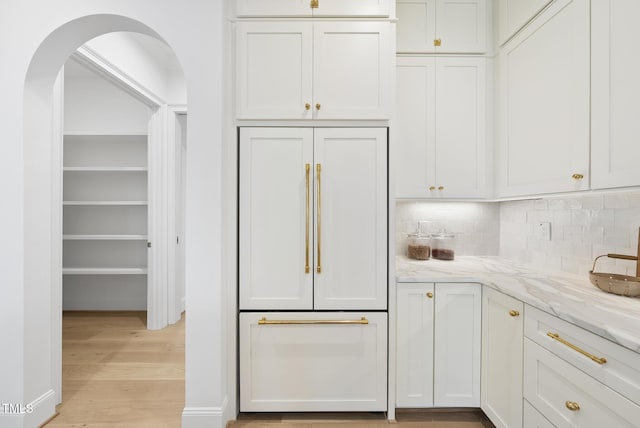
(314,4)
(437,42)
(514,313)
(573,406)
(440,187)
(430,295)
(577,176)
(432,187)
(307,106)
(318,106)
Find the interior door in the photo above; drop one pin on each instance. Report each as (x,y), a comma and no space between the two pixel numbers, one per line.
(276,244)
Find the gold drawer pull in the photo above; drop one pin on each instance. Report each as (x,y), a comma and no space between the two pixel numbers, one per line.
(432,187)
(514,313)
(556,336)
(437,42)
(265,321)
(430,295)
(307,268)
(577,176)
(573,406)
(307,106)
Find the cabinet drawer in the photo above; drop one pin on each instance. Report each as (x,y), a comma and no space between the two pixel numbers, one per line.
(570,398)
(621,371)
(533,418)
(303,363)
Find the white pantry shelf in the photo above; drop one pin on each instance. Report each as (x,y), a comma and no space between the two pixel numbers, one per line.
(105,203)
(105,237)
(106,168)
(104,271)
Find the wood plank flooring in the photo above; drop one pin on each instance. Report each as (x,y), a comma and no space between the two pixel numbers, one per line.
(118,374)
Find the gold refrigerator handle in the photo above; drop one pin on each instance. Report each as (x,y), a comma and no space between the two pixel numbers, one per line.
(319,219)
(307,268)
(265,321)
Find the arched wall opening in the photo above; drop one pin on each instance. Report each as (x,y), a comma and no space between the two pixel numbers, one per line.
(28,369)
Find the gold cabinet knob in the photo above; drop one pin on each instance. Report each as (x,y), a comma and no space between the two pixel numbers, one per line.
(307,106)
(432,187)
(437,42)
(318,106)
(577,176)
(514,313)
(430,295)
(573,406)
(440,187)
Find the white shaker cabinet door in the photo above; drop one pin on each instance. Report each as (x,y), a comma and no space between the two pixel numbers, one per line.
(313,361)
(274,70)
(416,30)
(414,342)
(303,8)
(352,8)
(457,335)
(544,104)
(502,337)
(350,174)
(615,108)
(275,248)
(351,70)
(461,26)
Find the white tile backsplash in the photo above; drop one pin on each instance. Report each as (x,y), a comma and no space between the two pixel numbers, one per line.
(582,228)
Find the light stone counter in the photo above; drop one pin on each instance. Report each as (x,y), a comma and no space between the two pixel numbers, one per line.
(570,297)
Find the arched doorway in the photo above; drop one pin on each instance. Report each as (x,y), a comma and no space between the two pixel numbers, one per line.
(39,47)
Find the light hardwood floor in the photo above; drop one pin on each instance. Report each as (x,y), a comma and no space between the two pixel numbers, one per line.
(118,374)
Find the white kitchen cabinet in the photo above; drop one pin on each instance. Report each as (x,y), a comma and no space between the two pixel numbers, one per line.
(544,104)
(515,14)
(105,228)
(313,218)
(576,378)
(441,104)
(321,361)
(441,26)
(502,336)
(313,70)
(414,344)
(615,93)
(451,337)
(316,8)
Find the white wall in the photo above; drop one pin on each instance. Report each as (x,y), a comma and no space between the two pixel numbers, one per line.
(582,228)
(47,33)
(146,63)
(93,105)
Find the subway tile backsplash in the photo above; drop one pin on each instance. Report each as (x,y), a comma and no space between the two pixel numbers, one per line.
(582,228)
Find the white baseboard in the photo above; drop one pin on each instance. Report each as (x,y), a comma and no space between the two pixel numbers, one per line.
(32,414)
(206,417)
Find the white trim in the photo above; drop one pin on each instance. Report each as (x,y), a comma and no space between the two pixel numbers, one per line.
(174,305)
(99,64)
(57,139)
(206,417)
(41,409)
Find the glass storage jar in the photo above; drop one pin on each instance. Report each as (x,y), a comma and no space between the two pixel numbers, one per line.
(419,246)
(443,245)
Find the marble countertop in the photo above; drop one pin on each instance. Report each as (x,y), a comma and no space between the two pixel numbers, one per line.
(570,297)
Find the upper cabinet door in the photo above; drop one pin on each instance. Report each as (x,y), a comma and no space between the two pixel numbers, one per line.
(247,8)
(514,14)
(416,30)
(351,70)
(351,218)
(441,26)
(461,26)
(544,104)
(275,248)
(615,71)
(274,70)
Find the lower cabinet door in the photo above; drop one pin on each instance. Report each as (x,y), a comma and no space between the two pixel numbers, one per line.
(328,361)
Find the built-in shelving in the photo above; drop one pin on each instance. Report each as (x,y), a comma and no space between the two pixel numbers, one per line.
(105,220)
